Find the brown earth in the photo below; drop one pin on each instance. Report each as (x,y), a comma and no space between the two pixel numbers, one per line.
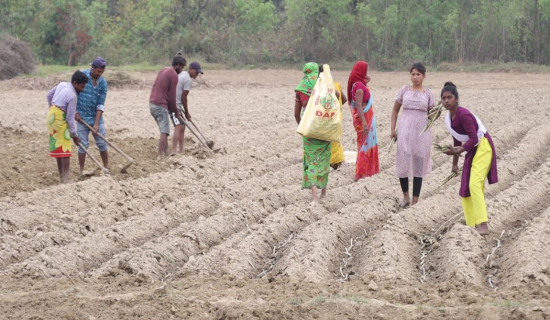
(230,235)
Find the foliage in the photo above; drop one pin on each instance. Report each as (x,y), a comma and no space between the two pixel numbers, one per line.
(389,34)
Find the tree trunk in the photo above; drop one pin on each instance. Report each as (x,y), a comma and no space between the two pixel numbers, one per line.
(536,27)
(462,32)
(70,60)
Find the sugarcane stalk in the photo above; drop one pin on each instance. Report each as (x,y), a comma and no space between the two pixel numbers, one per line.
(450,177)
(392,142)
(442,148)
(433,115)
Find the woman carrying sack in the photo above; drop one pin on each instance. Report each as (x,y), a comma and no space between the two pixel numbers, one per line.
(364,122)
(316,159)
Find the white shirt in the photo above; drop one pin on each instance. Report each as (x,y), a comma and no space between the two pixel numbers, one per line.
(184,84)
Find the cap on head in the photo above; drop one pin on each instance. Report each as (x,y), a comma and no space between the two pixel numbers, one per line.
(99,62)
(197,66)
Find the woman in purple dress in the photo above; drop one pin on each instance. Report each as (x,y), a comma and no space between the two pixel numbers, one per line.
(470,135)
(413,158)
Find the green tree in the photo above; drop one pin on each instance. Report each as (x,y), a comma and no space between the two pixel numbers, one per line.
(387,33)
(322,28)
(255,16)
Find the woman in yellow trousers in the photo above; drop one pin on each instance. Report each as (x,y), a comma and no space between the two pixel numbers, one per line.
(471,136)
(336,148)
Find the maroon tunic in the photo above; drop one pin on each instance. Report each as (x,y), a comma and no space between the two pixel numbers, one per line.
(464,122)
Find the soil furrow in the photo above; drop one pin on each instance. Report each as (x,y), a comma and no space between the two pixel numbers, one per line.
(470,262)
(411,227)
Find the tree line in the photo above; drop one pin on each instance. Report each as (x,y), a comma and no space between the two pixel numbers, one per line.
(387,33)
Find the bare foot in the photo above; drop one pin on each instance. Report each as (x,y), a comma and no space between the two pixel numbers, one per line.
(483,228)
(404,203)
(85,174)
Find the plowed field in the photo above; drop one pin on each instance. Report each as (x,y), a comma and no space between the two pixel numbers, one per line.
(231,235)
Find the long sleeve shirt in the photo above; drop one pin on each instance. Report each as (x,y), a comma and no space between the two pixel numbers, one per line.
(64,97)
(92,99)
(465,123)
(164,89)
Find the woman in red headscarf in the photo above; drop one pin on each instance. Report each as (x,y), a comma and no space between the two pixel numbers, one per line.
(364,122)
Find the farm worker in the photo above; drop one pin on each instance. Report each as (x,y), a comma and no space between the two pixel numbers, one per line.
(89,109)
(480,161)
(162,101)
(413,157)
(62,100)
(336,148)
(316,157)
(364,122)
(184,86)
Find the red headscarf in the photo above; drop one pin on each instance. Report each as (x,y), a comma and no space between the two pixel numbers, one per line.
(357,74)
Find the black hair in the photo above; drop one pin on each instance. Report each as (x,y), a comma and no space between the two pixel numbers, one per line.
(79,77)
(419,66)
(450,87)
(320,68)
(179,60)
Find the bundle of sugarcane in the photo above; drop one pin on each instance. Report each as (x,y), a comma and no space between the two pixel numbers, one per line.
(433,115)
(450,177)
(442,148)
(392,142)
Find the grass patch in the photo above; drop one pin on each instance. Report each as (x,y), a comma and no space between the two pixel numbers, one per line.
(46,70)
(508,304)
(295,301)
(356,298)
(494,67)
(138,67)
(320,299)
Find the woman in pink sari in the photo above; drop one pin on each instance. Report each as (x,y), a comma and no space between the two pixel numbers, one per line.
(364,122)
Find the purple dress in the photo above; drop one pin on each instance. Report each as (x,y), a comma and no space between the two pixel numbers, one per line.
(464,122)
(413,158)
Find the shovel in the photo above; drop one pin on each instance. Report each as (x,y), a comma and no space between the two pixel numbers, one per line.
(130,160)
(105,170)
(186,123)
(209,142)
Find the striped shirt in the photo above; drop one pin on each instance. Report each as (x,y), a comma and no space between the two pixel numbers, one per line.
(64,97)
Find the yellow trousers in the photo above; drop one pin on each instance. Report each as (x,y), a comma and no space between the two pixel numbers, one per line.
(336,153)
(475,209)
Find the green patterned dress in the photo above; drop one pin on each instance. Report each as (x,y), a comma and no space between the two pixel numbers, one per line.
(316,161)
